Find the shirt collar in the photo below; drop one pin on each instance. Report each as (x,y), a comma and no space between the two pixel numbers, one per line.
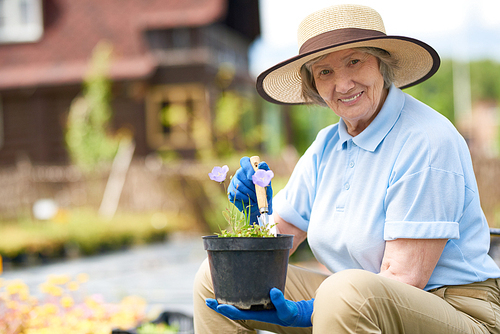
(373,135)
(344,136)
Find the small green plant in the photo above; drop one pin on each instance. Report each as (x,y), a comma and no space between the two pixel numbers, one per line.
(239,222)
(88,137)
(242,228)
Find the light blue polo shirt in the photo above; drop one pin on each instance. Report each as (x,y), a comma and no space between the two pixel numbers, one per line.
(407,175)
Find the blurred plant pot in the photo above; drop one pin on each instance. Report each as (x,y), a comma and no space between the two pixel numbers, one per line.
(245,269)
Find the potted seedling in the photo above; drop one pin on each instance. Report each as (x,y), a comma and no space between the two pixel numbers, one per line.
(247,260)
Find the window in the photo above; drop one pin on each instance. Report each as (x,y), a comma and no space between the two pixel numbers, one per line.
(20,21)
(179,38)
(178,118)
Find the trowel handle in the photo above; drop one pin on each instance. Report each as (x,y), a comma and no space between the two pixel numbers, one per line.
(260,191)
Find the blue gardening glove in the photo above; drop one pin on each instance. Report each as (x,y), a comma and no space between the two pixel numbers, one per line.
(287,312)
(241,190)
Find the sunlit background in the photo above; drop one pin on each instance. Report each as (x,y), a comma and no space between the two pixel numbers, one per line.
(464,29)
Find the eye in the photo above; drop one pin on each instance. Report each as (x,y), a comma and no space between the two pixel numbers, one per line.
(354,61)
(323,72)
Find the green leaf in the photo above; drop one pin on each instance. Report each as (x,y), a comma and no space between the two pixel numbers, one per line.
(226,216)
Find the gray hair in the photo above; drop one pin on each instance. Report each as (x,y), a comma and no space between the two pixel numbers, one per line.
(387,66)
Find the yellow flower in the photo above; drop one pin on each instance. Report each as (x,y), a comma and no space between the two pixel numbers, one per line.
(77,312)
(24,294)
(124,319)
(17,286)
(67,301)
(65,316)
(58,279)
(103,329)
(38,312)
(91,302)
(12,304)
(99,313)
(37,318)
(84,326)
(82,278)
(55,322)
(25,309)
(133,300)
(45,287)
(73,286)
(49,309)
(50,289)
(71,322)
(33,301)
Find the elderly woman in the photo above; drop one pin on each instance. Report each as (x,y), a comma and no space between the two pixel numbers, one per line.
(386,198)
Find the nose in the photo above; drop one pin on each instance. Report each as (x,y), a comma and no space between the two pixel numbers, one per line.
(343,82)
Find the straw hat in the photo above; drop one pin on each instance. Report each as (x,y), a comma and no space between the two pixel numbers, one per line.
(343,27)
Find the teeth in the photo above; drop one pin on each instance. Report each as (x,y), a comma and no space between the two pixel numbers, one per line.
(352,98)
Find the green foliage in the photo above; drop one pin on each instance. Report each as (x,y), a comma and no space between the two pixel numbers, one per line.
(307,121)
(248,231)
(228,112)
(234,122)
(86,232)
(150,328)
(437,92)
(485,82)
(87,135)
(239,225)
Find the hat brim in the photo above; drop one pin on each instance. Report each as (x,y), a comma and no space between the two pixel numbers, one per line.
(417,61)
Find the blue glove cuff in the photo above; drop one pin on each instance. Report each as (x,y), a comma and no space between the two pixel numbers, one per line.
(305,310)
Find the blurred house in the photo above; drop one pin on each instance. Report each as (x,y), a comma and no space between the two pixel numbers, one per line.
(480,127)
(170,58)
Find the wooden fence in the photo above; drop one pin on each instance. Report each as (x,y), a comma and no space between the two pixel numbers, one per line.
(487,172)
(151,185)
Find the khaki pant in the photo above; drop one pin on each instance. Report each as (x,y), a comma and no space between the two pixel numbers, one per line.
(357,301)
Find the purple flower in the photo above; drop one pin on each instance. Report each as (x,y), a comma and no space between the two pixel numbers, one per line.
(219,173)
(262,177)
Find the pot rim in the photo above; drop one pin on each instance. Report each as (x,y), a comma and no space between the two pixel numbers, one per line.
(280,242)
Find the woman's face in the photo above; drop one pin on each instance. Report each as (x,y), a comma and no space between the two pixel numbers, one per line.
(350,83)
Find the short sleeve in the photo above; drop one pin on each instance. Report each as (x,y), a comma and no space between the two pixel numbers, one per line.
(425,205)
(294,203)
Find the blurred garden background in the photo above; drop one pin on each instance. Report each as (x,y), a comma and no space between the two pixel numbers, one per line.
(112,114)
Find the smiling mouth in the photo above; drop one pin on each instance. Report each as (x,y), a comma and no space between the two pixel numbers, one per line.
(351,98)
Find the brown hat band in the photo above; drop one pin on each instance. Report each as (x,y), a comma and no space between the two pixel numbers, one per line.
(338,37)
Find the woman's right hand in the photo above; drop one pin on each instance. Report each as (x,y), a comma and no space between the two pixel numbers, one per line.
(241,190)
(286,312)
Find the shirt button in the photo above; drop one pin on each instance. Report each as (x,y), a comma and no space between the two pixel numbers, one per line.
(351,164)
(347,186)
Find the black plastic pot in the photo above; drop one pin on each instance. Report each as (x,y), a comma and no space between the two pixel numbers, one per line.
(245,269)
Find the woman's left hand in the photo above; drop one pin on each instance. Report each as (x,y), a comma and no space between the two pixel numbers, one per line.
(241,190)
(286,313)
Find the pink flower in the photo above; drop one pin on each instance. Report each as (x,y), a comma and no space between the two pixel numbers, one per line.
(218,174)
(262,177)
